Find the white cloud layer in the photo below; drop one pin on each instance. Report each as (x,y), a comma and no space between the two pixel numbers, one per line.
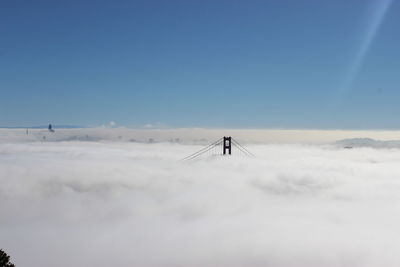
(132,204)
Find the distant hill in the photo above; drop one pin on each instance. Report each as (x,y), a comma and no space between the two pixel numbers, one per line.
(368,142)
(45,127)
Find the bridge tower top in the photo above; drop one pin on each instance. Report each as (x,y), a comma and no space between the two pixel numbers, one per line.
(227,145)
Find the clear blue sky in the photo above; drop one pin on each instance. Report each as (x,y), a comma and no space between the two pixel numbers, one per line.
(242,64)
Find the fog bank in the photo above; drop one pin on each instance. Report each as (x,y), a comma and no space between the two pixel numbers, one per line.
(135,204)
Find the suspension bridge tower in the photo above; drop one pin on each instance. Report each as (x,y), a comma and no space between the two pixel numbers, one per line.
(214,148)
(227,145)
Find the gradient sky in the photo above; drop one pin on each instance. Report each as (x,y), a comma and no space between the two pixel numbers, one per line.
(241,64)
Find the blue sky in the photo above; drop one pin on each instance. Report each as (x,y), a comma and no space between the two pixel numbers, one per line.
(240,64)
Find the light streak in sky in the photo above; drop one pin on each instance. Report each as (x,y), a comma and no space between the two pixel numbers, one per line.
(379,12)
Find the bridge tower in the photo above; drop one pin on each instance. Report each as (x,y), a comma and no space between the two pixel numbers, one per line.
(227,145)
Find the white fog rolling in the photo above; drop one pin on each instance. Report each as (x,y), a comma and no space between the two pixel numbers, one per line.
(80,203)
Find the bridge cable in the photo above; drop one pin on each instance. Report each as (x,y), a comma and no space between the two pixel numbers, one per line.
(203,150)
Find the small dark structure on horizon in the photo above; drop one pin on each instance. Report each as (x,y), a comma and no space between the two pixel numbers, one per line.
(51,128)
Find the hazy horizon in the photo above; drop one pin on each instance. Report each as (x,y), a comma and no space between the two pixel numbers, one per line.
(193,135)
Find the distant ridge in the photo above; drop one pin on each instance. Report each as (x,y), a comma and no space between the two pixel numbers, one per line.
(368,142)
(44,127)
